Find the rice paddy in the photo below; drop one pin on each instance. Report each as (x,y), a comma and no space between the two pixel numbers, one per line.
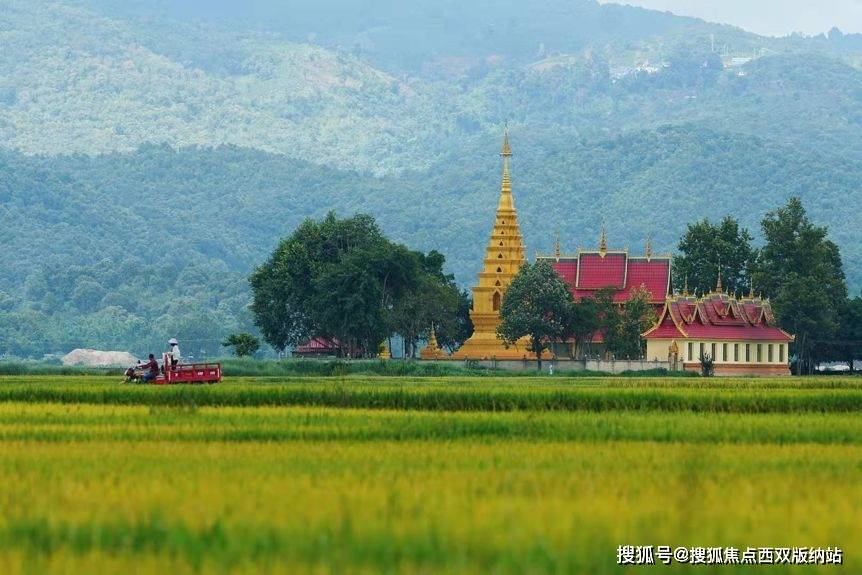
(423,475)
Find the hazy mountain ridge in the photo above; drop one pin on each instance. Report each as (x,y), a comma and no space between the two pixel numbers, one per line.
(154,108)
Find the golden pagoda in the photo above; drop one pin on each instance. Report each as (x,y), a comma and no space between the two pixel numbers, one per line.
(504,256)
(432,350)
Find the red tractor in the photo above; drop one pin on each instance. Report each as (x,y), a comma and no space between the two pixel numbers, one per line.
(187,372)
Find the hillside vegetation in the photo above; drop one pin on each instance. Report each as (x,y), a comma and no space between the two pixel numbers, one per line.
(153,153)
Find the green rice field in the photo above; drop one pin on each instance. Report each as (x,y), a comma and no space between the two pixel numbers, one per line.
(365,474)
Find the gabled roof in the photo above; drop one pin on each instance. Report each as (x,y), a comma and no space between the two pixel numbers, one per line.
(318,345)
(589,271)
(717,316)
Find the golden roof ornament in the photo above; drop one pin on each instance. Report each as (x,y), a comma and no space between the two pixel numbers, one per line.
(718,288)
(603,242)
(557,246)
(648,250)
(507,150)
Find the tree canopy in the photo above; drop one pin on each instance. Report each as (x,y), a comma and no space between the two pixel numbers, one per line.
(537,305)
(343,280)
(801,270)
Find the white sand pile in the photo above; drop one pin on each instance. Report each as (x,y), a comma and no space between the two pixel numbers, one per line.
(96,358)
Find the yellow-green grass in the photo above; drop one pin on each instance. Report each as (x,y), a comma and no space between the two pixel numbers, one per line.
(109,478)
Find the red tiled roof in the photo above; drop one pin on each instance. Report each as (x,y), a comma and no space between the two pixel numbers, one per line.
(590,272)
(317,345)
(597,272)
(717,316)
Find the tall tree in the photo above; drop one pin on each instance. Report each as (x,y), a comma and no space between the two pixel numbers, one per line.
(334,278)
(459,327)
(800,269)
(624,328)
(706,247)
(584,320)
(243,344)
(850,331)
(432,300)
(536,305)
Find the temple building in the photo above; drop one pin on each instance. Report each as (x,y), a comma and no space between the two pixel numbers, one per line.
(589,271)
(504,256)
(740,335)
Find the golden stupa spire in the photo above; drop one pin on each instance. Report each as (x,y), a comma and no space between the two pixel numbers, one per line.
(506,186)
(603,242)
(648,250)
(557,251)
(504,256)
(750,286)
(718,287)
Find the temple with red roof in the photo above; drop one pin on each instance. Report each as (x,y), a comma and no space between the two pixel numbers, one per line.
(587,272)
(739,335)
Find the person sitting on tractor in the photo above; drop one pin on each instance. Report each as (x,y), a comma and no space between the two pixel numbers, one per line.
(151,370)
(174,353)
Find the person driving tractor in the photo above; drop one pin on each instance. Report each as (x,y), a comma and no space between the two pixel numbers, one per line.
(151,370)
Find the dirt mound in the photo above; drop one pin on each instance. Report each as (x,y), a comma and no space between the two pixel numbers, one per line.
(96,358)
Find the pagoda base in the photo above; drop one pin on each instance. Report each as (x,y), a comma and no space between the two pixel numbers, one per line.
(486,346)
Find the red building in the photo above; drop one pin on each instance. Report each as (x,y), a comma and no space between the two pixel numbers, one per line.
(587,272)
(740,335)
(317,347)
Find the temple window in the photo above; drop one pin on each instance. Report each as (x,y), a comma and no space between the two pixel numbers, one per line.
(497,283)
(781,353)
(759,353)
(499,256)
(702,349)
(724,352)
(690,351)
(747,352)
(713,352)
(736,352)
(769,353)
(499,270)
(496,301)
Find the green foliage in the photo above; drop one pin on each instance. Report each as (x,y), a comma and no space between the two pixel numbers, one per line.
(624,325)
(457,328)
(536,306)
(115,250)
(707,248)
(441,394)
(707,365)
(344,281)
(801,270)
(243,344)
(849,338)
(432,301)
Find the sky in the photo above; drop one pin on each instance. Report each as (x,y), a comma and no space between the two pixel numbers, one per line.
(766,17)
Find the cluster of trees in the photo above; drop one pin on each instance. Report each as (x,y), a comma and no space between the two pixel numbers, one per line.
(798,267)
(343,280)
(539,306)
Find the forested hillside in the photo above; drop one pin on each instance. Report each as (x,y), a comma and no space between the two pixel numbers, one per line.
(155,152)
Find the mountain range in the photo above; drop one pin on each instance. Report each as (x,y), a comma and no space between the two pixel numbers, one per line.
(152,153)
